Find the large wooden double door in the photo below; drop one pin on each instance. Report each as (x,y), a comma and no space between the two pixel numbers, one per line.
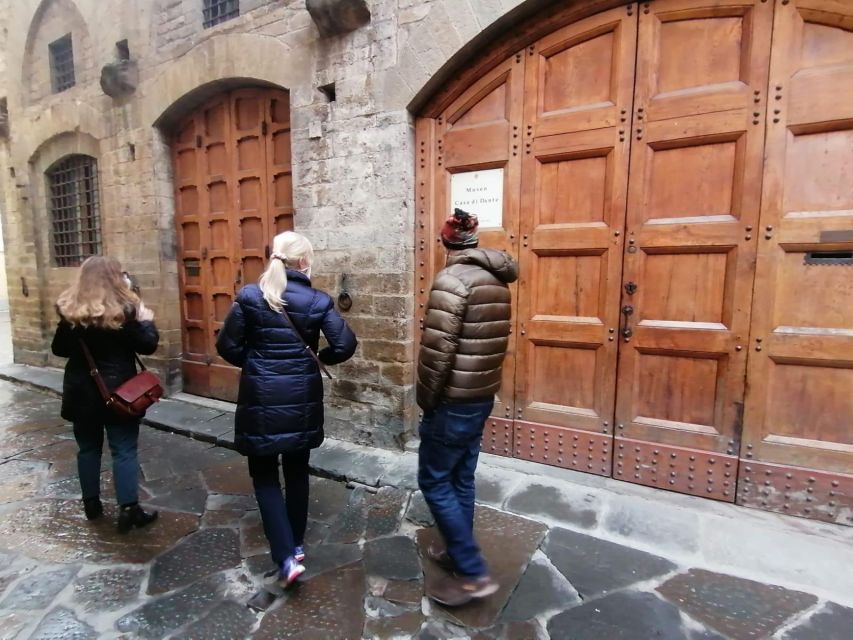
(233,193)
(640,205)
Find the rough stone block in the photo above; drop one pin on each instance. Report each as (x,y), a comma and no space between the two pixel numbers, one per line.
(335,17)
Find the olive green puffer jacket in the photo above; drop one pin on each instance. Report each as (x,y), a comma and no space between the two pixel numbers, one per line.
(466,330)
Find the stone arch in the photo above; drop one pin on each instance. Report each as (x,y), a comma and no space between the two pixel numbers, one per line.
(52,20)
(70,119)
(472,41)
(219,64)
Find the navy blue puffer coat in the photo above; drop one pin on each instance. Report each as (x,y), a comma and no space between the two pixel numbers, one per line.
(280,402)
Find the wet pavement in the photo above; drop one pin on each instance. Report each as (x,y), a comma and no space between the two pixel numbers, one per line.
(193,572)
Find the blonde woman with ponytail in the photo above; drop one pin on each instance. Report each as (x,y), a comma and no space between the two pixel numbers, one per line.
(272,333)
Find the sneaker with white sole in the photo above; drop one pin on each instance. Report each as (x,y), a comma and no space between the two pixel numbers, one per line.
(290,571)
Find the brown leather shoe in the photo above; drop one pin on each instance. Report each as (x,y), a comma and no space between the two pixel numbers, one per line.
(439,555)
(454,591)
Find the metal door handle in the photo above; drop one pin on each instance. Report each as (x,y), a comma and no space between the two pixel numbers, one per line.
(627,332)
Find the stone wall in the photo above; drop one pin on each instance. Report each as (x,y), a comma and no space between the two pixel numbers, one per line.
(353,160)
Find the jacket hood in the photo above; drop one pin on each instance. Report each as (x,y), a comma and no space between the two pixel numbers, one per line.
(496,262)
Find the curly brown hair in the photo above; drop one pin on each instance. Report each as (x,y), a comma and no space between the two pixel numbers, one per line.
(99,297)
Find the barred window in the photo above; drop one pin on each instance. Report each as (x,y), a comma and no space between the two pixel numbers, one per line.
(61,64)
(74,210)
(217,11)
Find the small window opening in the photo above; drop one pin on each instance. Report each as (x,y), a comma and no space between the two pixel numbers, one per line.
(62,64)
(829,258)
(328,90)
(123,50)
(131,151)
(12,171)
(218,11)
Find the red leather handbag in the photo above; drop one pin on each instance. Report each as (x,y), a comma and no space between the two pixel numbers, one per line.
(131,399)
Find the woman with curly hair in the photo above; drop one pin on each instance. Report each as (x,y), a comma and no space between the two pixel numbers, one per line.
(99,310)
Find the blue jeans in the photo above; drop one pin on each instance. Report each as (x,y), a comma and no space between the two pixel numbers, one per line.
(123,439)
(284,520)
(447,460)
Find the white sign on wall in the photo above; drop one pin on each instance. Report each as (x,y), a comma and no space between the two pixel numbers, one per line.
(480,193)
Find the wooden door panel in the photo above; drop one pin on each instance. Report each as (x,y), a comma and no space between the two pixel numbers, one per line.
(579,91)
(279,163)
(694,195)
(232,178)
(701,57)
(580,79)
(797,433)
(480,130)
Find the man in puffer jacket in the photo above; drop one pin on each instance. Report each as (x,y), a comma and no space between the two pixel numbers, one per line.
(464,342)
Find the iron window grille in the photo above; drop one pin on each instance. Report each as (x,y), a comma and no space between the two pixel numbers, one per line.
(74,210)
(62,64)
(218,11)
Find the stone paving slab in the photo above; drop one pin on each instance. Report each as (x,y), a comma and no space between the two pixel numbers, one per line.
(507,543)
(385,511)
(830,622)
(62,624)
(740,609)
(227,621)
(542,590)
(563,503)
(168,613)
(35,592)
(406,625)
(330,606)
(202,554)
(329,557)
(628,615)
(595,567)
(108,589)
(350,525)
(418,512)
(21,479)
(57,530)
(394,558)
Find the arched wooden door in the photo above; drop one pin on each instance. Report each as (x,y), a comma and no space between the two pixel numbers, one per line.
(637,219)
(233,193)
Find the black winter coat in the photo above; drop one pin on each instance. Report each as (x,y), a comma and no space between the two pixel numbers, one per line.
(114,352)
(280,402)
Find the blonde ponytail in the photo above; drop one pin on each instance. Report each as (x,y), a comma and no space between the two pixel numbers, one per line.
(290,251)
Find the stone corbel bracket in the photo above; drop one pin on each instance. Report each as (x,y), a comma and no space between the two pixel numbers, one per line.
(336,17)
(119,79)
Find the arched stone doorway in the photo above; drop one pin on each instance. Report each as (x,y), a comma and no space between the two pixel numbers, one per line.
(233,193)
(656,166)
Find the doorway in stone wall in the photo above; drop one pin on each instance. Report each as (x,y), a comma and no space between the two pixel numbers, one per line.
(672,179)
(233,193)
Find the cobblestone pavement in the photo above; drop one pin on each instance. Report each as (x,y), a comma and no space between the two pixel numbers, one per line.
(192,574)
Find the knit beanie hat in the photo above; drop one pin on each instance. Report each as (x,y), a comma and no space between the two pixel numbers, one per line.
(460,230)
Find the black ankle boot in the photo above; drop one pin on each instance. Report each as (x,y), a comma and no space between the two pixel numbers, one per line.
(93,508)
(132,515)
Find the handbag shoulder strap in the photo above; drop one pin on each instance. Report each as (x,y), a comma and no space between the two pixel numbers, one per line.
(96,374)
(93,371)
(305,344)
